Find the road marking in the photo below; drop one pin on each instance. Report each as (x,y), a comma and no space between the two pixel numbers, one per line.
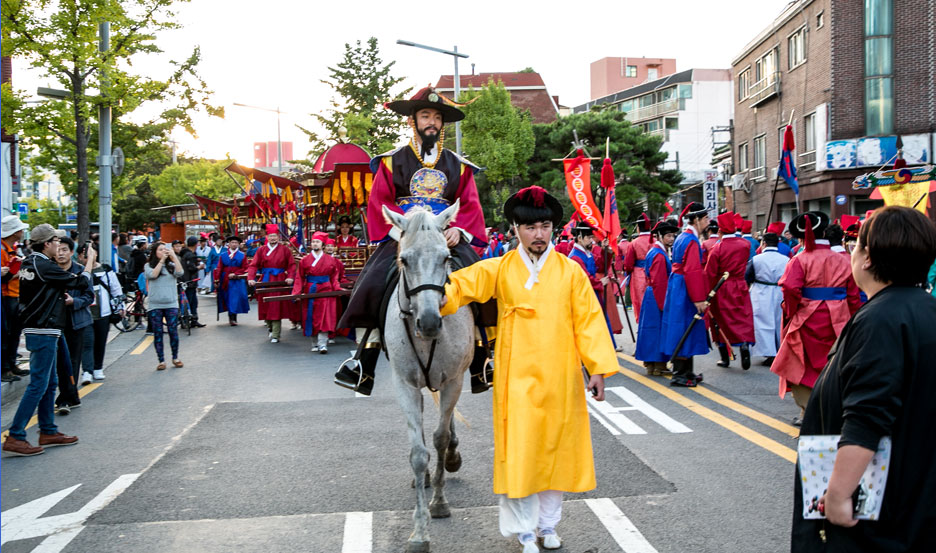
(627,536)
(82,392)
(636,403)
(766,420)
(26,521)
(143,345)
(719,419)
(358,533)
(614,417)
(608,426)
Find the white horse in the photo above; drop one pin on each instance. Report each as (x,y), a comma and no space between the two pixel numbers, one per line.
(427,351)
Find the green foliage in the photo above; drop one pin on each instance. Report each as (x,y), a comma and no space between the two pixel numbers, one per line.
(60,38)
(202,177)
(135,210)
(527,70)
(498,137)
(362,83)
(44,211)
(636,158)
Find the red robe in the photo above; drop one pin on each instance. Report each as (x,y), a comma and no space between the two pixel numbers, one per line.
(811,326)
(324,312)
(565,247)
(351,241)
(281,259)
(636,254)
(731,306)
(707,247)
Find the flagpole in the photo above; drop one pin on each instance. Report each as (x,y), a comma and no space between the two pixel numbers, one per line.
(773,196)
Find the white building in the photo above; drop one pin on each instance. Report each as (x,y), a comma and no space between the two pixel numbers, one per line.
(682,108)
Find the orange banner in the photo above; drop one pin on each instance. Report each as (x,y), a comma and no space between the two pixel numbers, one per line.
(578,182)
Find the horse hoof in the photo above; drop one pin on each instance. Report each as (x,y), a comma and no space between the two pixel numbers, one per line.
(417,547)
(453,462)
(440,511)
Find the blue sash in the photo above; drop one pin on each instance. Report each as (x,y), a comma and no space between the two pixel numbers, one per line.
(313,281)
(825,294)
(270,272)
(642,263)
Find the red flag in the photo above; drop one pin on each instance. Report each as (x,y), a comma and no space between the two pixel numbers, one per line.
(578,177)
(610,220)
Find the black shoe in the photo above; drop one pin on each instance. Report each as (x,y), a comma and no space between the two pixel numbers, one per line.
(482,371)
(683,382)
(19,372)
(9,377)
(768,361)
(745,356)
(725,358)
(197,324)
(797,422)
(358,374)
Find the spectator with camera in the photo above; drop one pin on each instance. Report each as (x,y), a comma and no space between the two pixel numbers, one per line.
(12,234)
(78,322)
(43,316)
(107,308)
(162,300)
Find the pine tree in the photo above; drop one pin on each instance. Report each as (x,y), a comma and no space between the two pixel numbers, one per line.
(362,83)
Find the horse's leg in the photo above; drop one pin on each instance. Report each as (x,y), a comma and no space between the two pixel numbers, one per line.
(441,439)
(453,460)
(411,401)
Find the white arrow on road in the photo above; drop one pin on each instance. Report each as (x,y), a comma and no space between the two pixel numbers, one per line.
(25,521)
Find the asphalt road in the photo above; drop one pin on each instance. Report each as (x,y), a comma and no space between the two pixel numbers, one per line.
(251,447)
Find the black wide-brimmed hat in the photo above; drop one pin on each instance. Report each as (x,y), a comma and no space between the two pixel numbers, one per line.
(233,237)
(427,98)
(818,220)
(582,229)
(666,226)
(534,196)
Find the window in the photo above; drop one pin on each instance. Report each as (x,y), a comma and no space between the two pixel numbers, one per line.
(630,71)
(667,94)
(672,123)
(646,100)
(797,48)
(765,66)
(742,157)
(685,91)
(780,132)
(809,133)
(879,56)
(744,83)
(652,73)
(627,106)
(760,152)
(819,20)
(653,125)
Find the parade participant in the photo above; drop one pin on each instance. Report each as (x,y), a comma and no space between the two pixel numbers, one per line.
(709,243)
(819,296)
(420,173)
(746,228)
(13,229)
(317,272)
(204,274)
(852,227)
(635,260)
(232,292)
(685,298)
(834,234)
(731,308)
(763,275)
(879,382)
(274,262)
(565,242)
(493,248)
(214,256)
(583,254)
(345,239)
(542,443)
(658,268)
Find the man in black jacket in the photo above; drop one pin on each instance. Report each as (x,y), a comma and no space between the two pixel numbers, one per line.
(43,315)
(191,264)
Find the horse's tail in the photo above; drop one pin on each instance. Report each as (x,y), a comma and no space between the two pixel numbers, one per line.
(458,416)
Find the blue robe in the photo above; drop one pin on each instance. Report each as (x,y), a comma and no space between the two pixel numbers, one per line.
(754,245)
(649,347)
(679,309)
(211,263)
(232,294)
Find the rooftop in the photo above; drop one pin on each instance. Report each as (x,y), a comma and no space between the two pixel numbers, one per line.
(687,76)
(510,80)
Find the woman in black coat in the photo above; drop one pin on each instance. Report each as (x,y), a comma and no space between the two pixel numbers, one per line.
(880,381)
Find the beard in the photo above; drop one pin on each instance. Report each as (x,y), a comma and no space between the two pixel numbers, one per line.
(427,141)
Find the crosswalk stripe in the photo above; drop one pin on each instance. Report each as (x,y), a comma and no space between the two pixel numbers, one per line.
(619,526)
(358,533)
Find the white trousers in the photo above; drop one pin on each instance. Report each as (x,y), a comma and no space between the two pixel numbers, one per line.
(523,515)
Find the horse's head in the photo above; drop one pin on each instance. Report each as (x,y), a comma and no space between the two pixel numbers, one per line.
(423,260)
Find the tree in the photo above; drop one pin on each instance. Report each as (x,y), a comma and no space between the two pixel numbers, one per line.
(498,137)
(203,177)
(636,157)
(60,39)
(45,211)
(362,82)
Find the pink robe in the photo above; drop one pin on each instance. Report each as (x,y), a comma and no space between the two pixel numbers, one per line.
(636,254)
(812,326)
(282,259)
(731,307)
(324,311)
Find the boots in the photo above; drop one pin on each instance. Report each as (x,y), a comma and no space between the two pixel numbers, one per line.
(745,356)
(683,375)
(482,370)
(358,374)
(725,357)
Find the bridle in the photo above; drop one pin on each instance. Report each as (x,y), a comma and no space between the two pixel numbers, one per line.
(407,314)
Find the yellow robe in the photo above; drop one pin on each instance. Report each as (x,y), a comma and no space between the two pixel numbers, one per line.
(542,438)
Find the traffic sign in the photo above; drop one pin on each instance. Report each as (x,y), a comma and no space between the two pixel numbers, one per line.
(22,208)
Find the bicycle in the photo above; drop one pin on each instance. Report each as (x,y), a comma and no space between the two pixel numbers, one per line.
(134,311)
(186,319)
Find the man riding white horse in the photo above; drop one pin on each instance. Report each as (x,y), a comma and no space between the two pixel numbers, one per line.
(420,173)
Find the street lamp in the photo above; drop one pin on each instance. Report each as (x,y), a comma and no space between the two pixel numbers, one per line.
(279,143)
(455,54)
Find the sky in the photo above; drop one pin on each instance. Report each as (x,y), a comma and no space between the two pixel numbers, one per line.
(274,53)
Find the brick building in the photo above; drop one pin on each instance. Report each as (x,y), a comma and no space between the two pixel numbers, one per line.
(610,75)
(854,74)
(527,91)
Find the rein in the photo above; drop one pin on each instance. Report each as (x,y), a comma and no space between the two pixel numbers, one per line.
(406,314)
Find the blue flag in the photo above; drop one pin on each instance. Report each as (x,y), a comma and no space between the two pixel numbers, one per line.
(787,169)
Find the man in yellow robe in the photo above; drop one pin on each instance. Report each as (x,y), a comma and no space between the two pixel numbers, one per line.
(549,324)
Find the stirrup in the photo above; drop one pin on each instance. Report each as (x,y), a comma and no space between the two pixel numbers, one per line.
(354,366)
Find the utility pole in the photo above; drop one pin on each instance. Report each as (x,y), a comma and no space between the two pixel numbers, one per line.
(105,159)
